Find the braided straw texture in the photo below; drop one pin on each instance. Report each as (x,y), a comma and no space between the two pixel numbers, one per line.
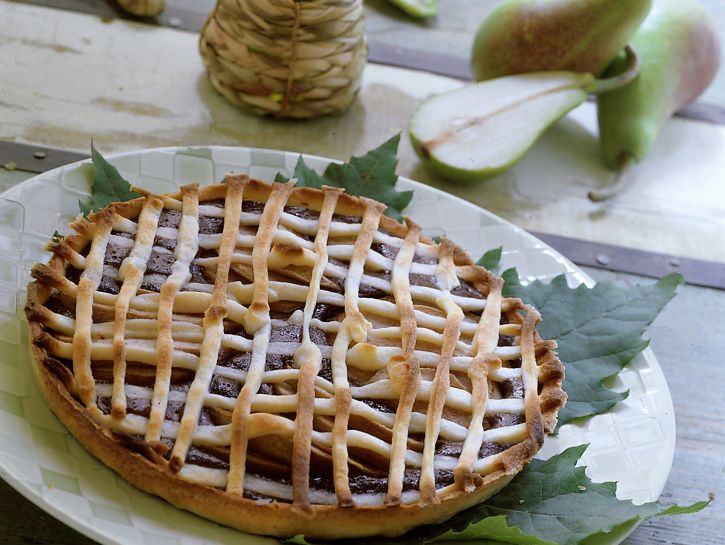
(288,58)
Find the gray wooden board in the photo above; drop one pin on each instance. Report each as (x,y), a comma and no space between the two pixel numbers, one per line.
(628,260)
(688,339)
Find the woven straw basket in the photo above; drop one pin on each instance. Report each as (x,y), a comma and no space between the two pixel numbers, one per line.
(287,58)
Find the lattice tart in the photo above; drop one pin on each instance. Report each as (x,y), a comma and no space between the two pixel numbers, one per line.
(289,360)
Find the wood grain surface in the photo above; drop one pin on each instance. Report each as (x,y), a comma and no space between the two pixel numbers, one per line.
(69,78)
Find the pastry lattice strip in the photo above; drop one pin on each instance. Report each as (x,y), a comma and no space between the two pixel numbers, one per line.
(476,353)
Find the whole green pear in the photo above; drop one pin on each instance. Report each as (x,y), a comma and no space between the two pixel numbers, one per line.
(574,35)
(679,54)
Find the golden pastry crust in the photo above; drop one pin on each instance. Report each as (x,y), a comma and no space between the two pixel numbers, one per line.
(433,404)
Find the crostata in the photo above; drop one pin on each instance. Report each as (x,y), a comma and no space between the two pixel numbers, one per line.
(289,360)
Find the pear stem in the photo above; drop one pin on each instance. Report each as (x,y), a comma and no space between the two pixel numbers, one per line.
(620,180)
(606,85)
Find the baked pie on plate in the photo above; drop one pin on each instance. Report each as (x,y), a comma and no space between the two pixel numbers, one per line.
(289,360)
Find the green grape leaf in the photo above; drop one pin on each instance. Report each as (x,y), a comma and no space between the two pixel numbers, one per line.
(599,331)
(491,259)
(306,177)
(371,175)
(550,502)
(108,185)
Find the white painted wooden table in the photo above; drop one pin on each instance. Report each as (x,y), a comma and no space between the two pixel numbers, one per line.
(66,78)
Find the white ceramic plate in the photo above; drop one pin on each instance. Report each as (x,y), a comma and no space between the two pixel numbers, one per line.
(633,444)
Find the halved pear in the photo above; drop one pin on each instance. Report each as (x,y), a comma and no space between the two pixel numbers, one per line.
(482,129)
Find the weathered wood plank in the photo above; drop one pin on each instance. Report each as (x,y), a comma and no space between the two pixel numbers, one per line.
(115,91)
(450,33)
